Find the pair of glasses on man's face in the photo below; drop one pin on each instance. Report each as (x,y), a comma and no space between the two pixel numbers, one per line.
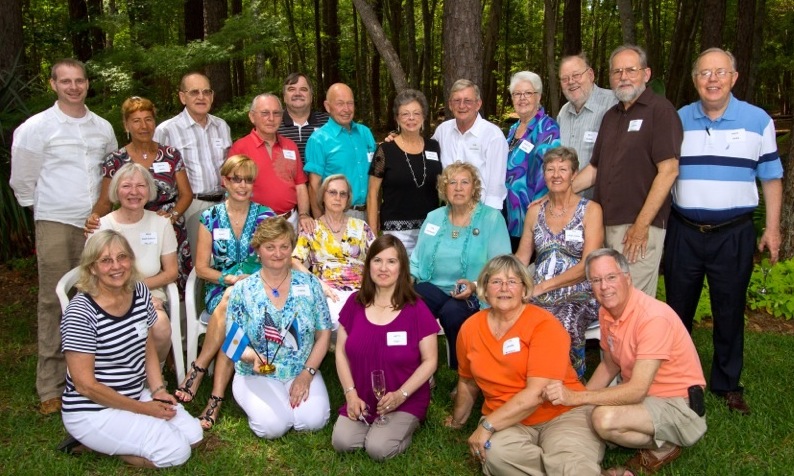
(237,180)
(194,93)
(609,279)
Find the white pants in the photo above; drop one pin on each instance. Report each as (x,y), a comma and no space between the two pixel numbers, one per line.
(120,432)
(336,307)
(408,237)
(266,402)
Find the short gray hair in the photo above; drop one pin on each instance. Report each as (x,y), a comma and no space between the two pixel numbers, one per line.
(408,96)
(507,264)
(462,84)
(621,260)
(529,77)
(324,187)
(263,96)
(640,52)
(128,170)
(713,50)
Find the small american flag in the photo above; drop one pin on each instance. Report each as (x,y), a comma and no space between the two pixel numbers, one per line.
(272,333)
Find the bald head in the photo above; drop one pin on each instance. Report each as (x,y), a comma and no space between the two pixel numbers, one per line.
(340,104)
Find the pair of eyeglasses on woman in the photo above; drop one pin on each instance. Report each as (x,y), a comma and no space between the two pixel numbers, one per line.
(106,261)
(498,283)
(337,193)
(236,179)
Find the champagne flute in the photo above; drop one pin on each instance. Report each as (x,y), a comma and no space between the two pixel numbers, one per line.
(379,389)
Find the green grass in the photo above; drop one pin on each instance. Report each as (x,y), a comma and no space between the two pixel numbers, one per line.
(761,444)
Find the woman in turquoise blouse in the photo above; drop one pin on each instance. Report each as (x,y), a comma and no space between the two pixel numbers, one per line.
(454,244)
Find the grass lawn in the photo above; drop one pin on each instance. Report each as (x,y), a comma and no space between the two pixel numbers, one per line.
(760,444)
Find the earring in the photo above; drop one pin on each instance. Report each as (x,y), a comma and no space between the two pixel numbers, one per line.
(399,130)
(128,135)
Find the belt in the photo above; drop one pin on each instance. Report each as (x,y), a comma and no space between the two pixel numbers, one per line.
(711,228)
(360,208)
(209,197)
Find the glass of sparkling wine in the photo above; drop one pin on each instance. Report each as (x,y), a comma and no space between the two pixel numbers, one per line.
(379,389)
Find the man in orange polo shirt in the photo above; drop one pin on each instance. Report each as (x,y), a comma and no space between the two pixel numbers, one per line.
(644,340)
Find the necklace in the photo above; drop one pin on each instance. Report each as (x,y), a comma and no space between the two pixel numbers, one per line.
(328,222)
(274,290)
(144,154)
(550,210)
(236,218)
(424,169)
(457,229)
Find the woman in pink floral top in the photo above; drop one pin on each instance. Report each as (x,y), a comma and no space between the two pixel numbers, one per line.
(336,249)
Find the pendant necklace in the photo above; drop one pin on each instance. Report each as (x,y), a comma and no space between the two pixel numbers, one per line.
(424,169)
(272,289)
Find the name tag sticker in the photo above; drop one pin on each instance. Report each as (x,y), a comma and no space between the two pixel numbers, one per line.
(574,235)
(526,146)
(431,155)
(474,146)
(217,142)
(431,229)
(738,135)
(140,329)
(635,125)
(301,290)
(511,345)
(221,234)
(149,238)
(370,155)
(355,234)
(590,136)
(161,167)
(610,344)
(396,338)
(289,154)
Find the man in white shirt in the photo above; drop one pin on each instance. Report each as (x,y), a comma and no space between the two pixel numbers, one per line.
(470,138)
(203,140)
(55,168)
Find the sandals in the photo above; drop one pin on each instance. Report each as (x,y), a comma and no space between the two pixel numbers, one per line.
(644,462)
(186,390)
(208,417)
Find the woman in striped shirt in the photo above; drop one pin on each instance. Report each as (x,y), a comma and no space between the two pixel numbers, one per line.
(111,357)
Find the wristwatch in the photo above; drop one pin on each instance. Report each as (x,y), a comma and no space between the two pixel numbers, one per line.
(488,427)
(310,370)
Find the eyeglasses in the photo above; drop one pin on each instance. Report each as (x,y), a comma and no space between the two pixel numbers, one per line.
(609,279)
(194,93)
(337,193)
(464,102)
(631,73)
(708,73)
(236,179)
(463,182)
(410,114)
(108,261)
(524,94)
(575,77)
(266,114)
(511,283)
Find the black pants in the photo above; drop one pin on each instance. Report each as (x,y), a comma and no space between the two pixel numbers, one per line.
(725,258)
(451,312)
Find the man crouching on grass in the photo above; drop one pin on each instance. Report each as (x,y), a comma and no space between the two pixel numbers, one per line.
(658,407)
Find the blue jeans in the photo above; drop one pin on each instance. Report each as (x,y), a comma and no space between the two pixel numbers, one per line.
(451,312)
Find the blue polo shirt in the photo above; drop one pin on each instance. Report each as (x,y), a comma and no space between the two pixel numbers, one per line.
(332,149)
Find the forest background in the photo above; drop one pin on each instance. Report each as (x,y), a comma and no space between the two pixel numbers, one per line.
(142,47)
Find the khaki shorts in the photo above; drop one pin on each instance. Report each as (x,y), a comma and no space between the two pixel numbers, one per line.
(674,421)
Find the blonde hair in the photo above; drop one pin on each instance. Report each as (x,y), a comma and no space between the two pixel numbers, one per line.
(324,188)
(452,169)
(507,264)
(96,245)
(272,229)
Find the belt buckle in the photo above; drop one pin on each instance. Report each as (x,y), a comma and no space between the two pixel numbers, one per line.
(705,228)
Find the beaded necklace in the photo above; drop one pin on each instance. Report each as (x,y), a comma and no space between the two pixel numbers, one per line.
(445,226)
(424,169)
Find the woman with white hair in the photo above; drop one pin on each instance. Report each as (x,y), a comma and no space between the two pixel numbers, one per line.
(528,140)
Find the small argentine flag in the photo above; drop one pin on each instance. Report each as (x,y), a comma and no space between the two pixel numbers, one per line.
(236,342)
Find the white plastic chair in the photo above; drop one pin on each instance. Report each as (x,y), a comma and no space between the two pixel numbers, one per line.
(593,331)
(196,323)
(67,282)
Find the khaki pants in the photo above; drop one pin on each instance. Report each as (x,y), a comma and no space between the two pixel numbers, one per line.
(645,272)
(58,249)
(381,442)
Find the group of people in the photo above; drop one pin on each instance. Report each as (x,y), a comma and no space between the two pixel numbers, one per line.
(292,261)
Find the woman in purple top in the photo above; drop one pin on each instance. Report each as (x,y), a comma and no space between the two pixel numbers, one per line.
(384,327)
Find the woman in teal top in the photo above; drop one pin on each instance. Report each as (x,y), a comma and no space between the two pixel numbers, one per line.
(454,244)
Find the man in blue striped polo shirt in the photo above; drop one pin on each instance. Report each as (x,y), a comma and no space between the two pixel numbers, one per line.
(727,144)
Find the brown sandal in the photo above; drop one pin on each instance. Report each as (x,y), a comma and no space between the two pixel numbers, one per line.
(645,462)
(207,417)
(187,388)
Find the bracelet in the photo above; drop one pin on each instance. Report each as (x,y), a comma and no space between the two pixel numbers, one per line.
(175,213)
(161,387)
(221,280)
(405,394)
(349,389)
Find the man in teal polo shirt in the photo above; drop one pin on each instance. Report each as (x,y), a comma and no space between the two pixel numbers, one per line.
(341,146)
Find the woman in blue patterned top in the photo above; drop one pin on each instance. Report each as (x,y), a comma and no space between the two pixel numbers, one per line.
(110,357)
(284,314)
(224,256)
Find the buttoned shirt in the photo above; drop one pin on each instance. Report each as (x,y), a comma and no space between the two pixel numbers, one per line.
(333,149)
(203,148)
(484,146)
(56,161)
(300,133)
(579,130)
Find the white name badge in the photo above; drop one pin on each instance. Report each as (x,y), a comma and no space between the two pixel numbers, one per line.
(289,154)
(140,329)
(431,155)
(526,146)
(217,142)
(590,136)
(301,290)
(221,234)
(635,125)
(574,235)
(149,238)
(737,135)
(431,229)
(475,147)
(370,155)
(396,338)
(355,234)
(511,345)
(161,167)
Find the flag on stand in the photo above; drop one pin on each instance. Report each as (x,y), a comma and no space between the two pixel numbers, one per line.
(272,332)
(236,342)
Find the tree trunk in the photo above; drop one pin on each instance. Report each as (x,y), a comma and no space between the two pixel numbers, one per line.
(713,22)
(462,43)
(11,36)
(330,43)
(320,84)
(490,67)
(96,35)
(215,13)
(552,95)
(238,64)
(572,27)
(678,77)
(410,32)
(78,29)
(787,212)
(298,51)
(743,51)
(627,27)
(194,20)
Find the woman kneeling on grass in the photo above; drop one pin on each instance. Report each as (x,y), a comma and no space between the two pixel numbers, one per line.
(384,328)
(110,354)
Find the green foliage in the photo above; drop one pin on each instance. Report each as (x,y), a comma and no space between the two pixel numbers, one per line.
(704,304)
(772,288)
